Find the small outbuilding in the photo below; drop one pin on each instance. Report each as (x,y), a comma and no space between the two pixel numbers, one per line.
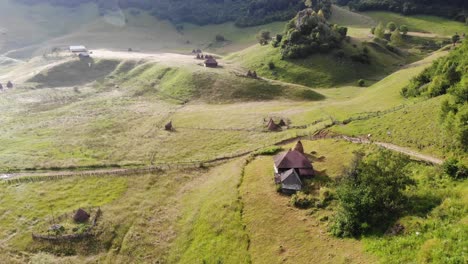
(78,49)
(211,62)
(81,216)
(289,180)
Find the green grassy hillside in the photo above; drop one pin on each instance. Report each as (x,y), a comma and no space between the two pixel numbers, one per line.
(421,23)
(321,70)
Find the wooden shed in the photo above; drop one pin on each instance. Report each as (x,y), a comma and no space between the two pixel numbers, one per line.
(296,160)
(289,180)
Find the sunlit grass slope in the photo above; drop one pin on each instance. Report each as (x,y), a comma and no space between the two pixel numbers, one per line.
(320,70)
(421,23)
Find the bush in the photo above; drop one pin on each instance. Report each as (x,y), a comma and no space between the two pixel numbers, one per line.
(404,29)
(220,38)
(453,168)
(271,65)
(391,26)
(268,151)
(302,200)
(263,37)
(361,83)
(371,193)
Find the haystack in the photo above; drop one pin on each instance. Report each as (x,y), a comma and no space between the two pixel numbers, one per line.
(168,126)
(282,123)
(272,126)
(81,216)
(299,147)
(9,84)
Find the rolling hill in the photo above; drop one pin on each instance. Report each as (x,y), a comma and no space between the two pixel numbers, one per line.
(90,133)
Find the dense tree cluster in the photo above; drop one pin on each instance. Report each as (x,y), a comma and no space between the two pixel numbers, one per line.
(447,75)
(309,33)
(371,193)
(455,9)
(243,12)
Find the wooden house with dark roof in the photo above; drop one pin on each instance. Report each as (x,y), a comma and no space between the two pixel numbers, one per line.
(294,159)
(289,180)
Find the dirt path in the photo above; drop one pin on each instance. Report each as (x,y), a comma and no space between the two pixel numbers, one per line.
(166,58)
(396,148)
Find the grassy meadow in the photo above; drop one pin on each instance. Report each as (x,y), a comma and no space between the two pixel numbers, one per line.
(421,23)
(66,114)
(281,233)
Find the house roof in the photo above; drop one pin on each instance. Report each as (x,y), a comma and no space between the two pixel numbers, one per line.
(78,48)
(290,180)
(294,159)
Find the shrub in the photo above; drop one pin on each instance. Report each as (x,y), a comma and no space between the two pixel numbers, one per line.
(391,26)
(302,200)
(272,150)
(361,83)
(371,193)
(263,37)
(404,29)
(271,65)
(379,31)
(220,38)
(396,38)
(455,169)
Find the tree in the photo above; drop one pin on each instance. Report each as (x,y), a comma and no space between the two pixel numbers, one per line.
(391,26)
(396,38)
(263,37)
(361,82)
(371,194)
(321,15)
(380,31)
(404,29)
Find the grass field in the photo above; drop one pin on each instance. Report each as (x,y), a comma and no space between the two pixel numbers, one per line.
(34,29)
(421,23)
(70,115)
(436,226)
(282,233)
(74,125)
(211,227)
(320,70)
